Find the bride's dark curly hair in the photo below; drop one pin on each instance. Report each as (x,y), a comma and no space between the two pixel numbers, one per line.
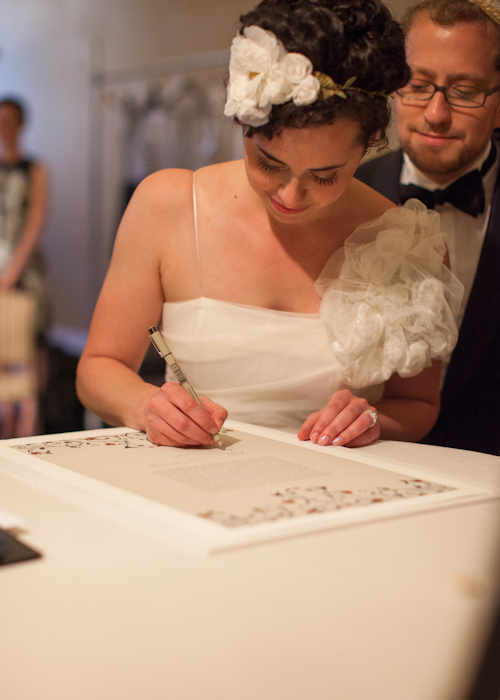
(342,38)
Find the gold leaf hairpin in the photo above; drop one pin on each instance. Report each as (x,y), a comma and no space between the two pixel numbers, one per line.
(329,87)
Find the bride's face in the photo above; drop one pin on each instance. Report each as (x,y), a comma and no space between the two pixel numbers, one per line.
(303,171)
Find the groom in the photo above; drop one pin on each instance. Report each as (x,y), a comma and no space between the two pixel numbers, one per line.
(446,118)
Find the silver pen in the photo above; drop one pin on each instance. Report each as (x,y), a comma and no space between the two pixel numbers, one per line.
(163,350)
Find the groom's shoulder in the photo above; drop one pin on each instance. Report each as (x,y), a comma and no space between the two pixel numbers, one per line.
(388,163)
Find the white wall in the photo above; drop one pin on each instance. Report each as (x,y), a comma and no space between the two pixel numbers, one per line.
(49,49)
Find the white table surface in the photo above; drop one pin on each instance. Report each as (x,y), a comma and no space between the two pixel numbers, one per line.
(393,610)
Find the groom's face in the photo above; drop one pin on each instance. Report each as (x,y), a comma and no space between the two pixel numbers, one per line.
(443,140)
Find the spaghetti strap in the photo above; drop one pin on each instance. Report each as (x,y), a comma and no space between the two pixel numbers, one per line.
(195,212)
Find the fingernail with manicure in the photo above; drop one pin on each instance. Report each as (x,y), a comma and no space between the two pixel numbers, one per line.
(338,441)
(324,440)
(314,437)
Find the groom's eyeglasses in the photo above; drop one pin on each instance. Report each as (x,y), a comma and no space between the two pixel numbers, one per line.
(455,95)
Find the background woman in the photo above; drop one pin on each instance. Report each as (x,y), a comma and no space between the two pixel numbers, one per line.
(230,257)
(23,204)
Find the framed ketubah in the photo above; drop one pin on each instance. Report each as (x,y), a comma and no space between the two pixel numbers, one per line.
(263,485)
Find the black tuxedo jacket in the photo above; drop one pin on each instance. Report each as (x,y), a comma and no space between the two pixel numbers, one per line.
(470,400)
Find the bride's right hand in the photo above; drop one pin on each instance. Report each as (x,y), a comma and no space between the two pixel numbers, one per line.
(174,418)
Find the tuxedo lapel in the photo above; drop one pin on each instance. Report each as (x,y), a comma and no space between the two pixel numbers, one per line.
(481,321)
(383,174)
(470,410)
(482,315)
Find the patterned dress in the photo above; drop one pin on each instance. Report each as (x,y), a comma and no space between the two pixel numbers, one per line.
(15,188)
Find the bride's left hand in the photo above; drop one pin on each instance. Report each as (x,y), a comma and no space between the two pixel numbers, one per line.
(344,421)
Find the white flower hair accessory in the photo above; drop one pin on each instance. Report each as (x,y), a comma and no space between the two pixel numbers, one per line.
(262,73)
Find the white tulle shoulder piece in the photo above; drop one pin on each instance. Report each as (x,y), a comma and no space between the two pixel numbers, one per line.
(388,302)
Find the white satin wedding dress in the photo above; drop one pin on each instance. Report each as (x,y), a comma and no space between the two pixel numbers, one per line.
(388,305)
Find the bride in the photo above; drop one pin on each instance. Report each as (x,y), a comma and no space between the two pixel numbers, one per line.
(292,295)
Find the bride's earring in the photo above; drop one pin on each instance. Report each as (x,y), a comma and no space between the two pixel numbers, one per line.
(367,151)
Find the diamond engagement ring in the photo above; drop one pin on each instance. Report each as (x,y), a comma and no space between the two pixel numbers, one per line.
(373,415)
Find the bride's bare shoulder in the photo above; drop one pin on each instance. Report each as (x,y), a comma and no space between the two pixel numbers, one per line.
(162,204)
(160,207)
(164,188)
(172,189)
(369,203)
(223,176)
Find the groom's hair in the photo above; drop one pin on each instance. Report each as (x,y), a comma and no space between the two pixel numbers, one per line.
(450,12)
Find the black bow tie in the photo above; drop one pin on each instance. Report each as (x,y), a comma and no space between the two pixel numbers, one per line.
(466,193)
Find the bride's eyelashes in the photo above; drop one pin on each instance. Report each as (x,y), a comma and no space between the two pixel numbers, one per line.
(263,165)
(326,180)
(268,168)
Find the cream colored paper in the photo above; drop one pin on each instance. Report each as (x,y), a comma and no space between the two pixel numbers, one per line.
(264,483)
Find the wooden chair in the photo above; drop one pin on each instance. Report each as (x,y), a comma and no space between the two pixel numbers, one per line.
(18,384)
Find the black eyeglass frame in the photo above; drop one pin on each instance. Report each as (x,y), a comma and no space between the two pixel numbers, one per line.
(486,92)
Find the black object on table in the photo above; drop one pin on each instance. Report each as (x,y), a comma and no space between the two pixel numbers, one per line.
(12,551)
